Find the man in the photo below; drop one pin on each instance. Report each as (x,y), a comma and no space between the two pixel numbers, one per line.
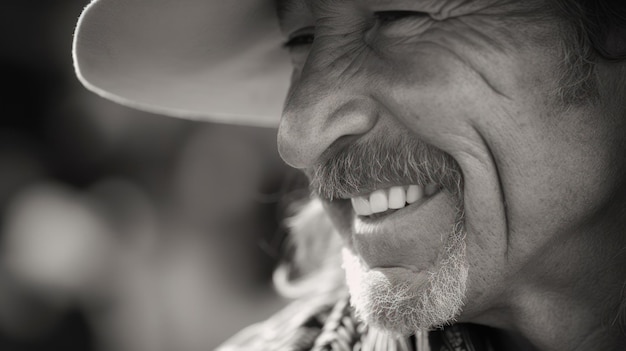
(468,153)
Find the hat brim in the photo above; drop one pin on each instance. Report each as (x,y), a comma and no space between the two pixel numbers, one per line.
(208,60)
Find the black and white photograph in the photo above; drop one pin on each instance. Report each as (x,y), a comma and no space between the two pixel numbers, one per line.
(313,175)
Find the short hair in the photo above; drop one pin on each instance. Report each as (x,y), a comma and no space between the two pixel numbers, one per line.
(595,31)
(600,24)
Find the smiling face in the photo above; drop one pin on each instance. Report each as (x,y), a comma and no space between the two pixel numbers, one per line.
(435,134)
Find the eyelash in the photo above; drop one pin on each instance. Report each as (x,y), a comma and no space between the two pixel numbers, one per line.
(383,17)
(298,40)
(386,17)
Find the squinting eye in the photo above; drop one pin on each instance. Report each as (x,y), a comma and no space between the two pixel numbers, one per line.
(299,40)
(385,17)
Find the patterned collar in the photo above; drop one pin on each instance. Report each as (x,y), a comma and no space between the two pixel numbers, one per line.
(327,323)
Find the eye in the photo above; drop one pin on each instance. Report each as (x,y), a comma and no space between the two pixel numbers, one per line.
(386,17)
(301,37)
(299,40)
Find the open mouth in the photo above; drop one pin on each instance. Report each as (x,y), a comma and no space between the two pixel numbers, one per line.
(383,202)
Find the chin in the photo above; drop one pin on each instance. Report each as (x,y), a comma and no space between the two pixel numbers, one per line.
(400,300)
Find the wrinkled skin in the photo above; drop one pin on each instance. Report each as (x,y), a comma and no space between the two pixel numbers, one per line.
(543,191)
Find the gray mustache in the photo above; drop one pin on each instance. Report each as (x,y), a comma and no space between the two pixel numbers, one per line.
(363,167)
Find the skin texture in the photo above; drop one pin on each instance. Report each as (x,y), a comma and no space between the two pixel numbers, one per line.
(543,182)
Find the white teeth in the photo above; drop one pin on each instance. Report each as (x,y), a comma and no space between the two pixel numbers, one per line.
(378,201)
(414,193)
(397,197)
(361,206)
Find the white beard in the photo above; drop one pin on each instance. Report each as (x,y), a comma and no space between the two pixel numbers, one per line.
(407,306)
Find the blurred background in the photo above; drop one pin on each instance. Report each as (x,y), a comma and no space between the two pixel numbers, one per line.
(122,230)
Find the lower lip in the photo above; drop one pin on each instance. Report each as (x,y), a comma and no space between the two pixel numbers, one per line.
(408,239)
(353,228)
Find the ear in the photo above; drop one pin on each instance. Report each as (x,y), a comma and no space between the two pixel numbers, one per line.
(615,42)
(610,18)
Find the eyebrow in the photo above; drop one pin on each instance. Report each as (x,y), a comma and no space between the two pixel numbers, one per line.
(285,8)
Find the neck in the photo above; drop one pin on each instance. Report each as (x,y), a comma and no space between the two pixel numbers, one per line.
(555,321)
(571,297)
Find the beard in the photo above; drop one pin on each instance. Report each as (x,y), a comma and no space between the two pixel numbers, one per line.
(409,305)
(416,301)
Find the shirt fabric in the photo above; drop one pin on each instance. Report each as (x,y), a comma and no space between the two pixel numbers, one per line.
(327,323)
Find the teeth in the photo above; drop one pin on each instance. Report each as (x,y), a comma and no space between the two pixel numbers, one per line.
(378,201)
(361,206)
(395,198)
(414,193)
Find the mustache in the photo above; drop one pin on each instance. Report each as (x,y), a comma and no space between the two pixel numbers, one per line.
(362,167)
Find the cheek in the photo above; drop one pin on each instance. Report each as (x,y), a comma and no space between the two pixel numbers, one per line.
(554,173)
(436,96)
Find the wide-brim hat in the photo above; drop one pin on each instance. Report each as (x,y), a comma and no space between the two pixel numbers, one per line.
(212,60)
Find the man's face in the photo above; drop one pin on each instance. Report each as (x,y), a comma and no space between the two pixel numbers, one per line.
(434,133)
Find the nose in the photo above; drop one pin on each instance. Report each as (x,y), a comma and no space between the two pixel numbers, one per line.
(322,111)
